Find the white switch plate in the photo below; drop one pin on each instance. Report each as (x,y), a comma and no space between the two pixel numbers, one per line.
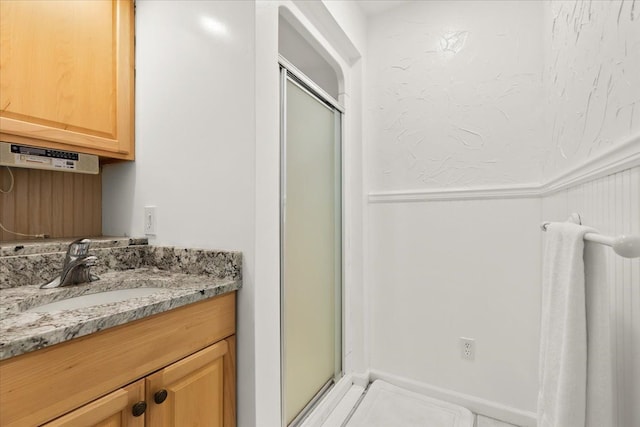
(150,220)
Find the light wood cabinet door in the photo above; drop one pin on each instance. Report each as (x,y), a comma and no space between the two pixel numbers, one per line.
(193,390)
(112,410)
(67,75)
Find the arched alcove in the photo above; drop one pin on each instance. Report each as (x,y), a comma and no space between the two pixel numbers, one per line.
(298,47)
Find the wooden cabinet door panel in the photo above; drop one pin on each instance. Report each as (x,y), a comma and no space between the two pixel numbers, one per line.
(195,390)
(112,410)
(197,399)
(66,72)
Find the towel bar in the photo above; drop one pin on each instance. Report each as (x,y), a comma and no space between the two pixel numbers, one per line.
(627,246)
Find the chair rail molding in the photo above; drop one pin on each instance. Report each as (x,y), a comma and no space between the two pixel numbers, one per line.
(618,158)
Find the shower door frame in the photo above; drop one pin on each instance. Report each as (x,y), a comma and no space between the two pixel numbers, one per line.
(288,72)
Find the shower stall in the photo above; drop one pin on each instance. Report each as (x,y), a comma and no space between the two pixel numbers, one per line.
(311,243)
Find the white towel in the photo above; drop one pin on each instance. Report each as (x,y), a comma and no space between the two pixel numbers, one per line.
(567,396)
(600,407)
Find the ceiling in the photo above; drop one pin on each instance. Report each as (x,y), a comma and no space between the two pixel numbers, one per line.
(375,7)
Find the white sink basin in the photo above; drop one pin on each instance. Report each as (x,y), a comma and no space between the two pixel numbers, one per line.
(95,299)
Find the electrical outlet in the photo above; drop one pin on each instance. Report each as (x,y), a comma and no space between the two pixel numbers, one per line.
(467,348)
(150,220)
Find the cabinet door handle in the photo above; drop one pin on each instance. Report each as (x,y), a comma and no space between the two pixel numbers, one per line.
(139,408)
(160,396)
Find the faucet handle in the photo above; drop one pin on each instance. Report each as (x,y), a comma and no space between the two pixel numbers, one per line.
(76,268)
(79,247)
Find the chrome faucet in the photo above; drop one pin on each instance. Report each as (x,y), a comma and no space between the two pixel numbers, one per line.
(76,267)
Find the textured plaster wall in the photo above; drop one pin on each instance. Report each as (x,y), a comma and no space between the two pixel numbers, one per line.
(454,92)
(474,94)
(591,78)
(454,98)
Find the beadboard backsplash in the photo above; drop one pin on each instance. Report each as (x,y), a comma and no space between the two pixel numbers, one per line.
(59,204)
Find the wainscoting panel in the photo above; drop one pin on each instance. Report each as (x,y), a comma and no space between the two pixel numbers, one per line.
(441,270)
(612,205)
(59,204)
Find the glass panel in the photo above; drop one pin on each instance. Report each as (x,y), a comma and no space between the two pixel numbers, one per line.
(311,249)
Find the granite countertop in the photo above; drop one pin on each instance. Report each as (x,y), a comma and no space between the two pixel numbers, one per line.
(183,276)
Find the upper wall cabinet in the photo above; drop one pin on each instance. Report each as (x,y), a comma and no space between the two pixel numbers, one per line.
(67,75)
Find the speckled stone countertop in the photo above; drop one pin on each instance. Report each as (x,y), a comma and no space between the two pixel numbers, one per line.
(182,276)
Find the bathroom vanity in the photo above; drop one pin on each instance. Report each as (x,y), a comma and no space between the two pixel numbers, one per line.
(164,359)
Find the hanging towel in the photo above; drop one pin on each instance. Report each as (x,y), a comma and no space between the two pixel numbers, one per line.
(600,406)
(575,385)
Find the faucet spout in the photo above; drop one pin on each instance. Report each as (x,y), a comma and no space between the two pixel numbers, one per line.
(76,267)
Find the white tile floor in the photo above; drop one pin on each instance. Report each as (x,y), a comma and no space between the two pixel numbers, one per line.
(490,422)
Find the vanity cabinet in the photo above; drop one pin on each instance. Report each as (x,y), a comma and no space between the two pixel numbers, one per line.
(67,75)
(180,364)
(189,392)
(112,410)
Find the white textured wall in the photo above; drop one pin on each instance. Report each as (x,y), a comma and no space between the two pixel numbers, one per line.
(592,79)
(454,100)
(351,20)
(445,270)
(195,145)
(454,92)
(475,95)
(612,205)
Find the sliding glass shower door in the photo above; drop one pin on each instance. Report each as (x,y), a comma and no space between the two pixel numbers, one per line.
(311,246)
